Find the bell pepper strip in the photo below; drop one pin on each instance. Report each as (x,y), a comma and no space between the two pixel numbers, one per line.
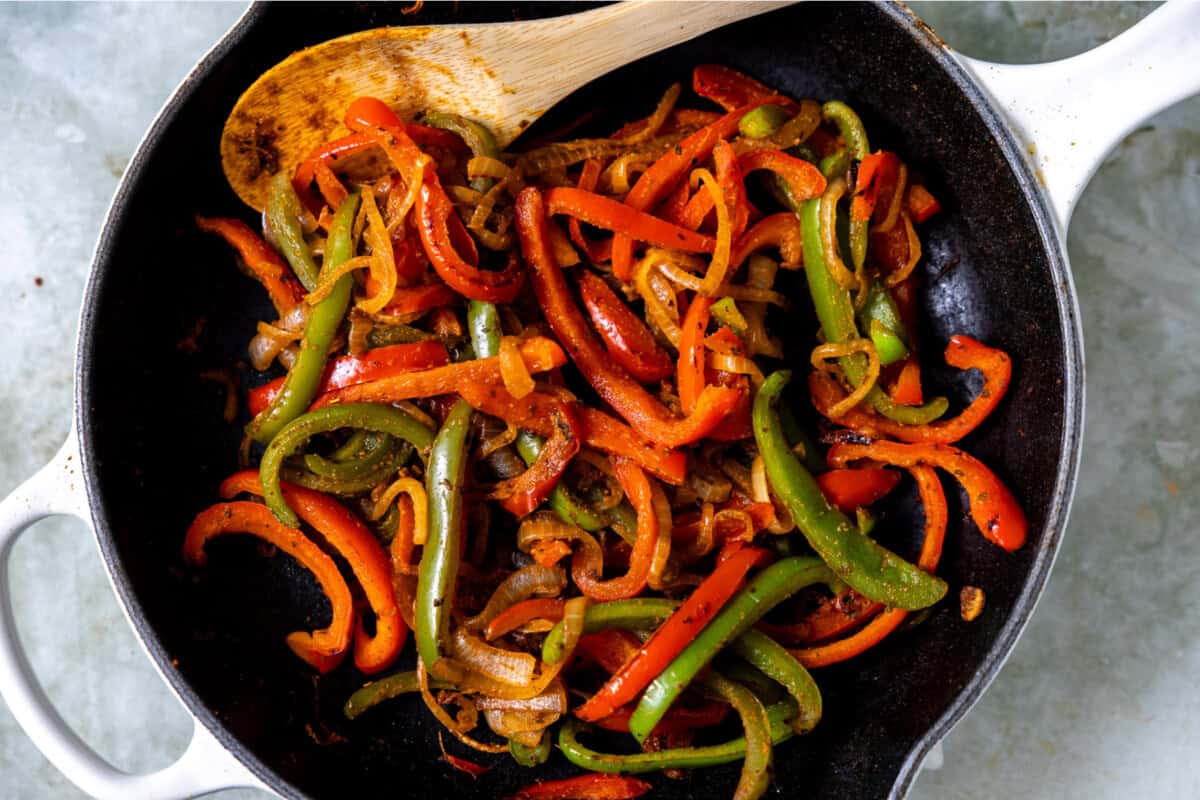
(853,133)
(293,436)
(322,649)
(804,181)
(639,614)
(478,138)
(856,559)
(880,318)
(415,299)
(876,178)
(562,502)
(528,756)
(611,649)
(373,365)
(282,221)
(678,720)
(673,636)
(936,517)
(731,89)
(304,378)
(690,371)
(436,215)
(585,570)
(835,312)
(374,450)
(597,252)
(462,764)
(262,262)
(331,189)
(539,354)
(599,430)
(848,489)
(518,614)
(780,230)
(756,769)
(585,787)
(674,208)
(600,211)
(729,175)
(580,755)
(921,205)
(522,494)
(661,178)
(442,553)
(962,352)
(767,655)
(349,537)
(379,691)
(993,507)
(625,335)
(834,616)
(645,413)
(770,587)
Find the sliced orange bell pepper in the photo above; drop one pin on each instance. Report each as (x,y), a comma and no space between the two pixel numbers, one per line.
(592,786)
(625,335)
(597,252)
(780,230)
(600,431)
(347,535)
(262,262)
(876,178)
(690,370)
(322,649)
(803,178)
(645,413)
(539,353)
(833,616)
(611,648)
(993,507)
(920,203)
(963,352)
(521,494)
(665,174)
(612,215)
(518,614)
(672,636)
(586,572)
(849,489)
(382,362)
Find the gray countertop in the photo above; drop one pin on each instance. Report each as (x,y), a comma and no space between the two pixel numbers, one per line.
(1098,700)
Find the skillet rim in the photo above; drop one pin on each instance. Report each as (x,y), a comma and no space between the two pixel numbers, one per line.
(1053,242)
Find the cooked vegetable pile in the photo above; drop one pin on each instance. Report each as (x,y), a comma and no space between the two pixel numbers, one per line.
(534,407)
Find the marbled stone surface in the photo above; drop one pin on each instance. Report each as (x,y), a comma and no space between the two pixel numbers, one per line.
(1098,700)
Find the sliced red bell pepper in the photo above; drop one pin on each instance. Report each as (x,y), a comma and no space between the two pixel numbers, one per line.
(729,175)
(343,371)
(803,178)
(730,89)
(691,366)
(597,252)
(626,337)
(673,636)
(322,649)
(523,493)
(833,616)
(921,205)
(780,230)
(598,210)
(903,381)
(993,507)
(737,425)
(849,489)
(644,412)
(963,352)
(876,179)
(679,719)
(587,571)
(413,299)
(665,174)
(592,786)
(674,208)
(539,353)
(351,539)
(611,648)
(263,262)
(600,431)
(518,614)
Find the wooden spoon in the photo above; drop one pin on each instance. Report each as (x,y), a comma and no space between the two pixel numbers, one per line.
(504,75)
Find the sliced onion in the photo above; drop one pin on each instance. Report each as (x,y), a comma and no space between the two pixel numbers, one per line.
(552,701)
(616,178)
(661,570)
(574,616)
(513,370)
(896,201)
(709,487)
(714,277)
(914,254)
(655,121)
(761,492)
(686,280)
(288,355)
(822,354)
(740,516)
(534,580)
(383,259)
(415,490)
(442,716)
(487,167)
(703,544)
(830,248)
(740,365)
(662,307)
(502,439)
(505,666)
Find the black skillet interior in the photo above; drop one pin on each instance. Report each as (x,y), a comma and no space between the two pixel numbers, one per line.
(156,447)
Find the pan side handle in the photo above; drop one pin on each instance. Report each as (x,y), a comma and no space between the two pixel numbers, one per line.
(204,767)
(1069,114)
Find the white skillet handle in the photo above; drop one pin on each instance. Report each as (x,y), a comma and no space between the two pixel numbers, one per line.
(204,767)
(1071,113)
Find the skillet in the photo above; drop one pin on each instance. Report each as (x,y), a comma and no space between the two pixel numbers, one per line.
(149,447)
